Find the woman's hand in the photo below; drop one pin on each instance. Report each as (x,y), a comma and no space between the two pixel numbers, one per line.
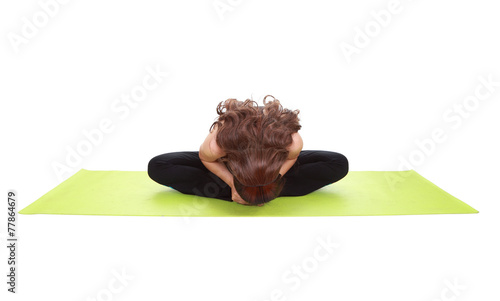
(235,196)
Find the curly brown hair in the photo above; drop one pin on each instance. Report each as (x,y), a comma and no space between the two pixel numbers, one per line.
(255,139)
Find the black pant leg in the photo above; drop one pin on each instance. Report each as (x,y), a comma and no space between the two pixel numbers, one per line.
(184,172)
(313,170)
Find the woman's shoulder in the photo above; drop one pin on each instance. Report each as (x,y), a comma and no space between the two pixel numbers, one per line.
(296,146)
(214,147)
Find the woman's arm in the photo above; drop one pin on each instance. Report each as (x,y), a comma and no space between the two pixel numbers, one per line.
(220,170)
(209,153)
(294,152)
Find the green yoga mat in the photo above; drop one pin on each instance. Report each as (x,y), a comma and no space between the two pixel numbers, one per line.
(100,192)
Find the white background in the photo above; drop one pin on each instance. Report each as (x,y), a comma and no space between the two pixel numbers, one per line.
(372,106)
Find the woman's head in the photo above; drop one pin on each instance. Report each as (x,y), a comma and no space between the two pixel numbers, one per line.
(255,140)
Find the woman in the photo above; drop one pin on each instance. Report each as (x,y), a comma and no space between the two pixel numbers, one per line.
(252,155)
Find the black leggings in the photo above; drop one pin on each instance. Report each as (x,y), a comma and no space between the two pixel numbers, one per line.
(184,172)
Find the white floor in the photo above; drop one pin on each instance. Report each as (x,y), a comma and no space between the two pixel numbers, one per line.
(422,93)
